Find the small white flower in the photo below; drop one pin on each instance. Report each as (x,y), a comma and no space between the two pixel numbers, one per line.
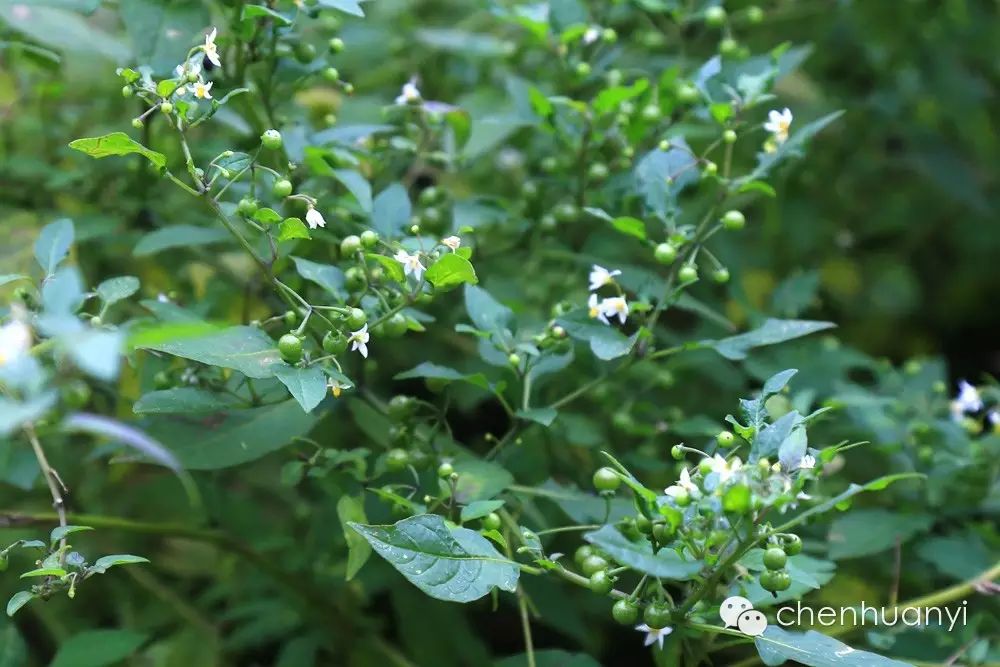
(595,310)
(410,94)
(452,242)
(684,486)
(615,306)
(15,341)
(723,468)
(359,341)
(968,399)
(314,218)
(202,91)
(778,123)
(210,49)
(411,264)
(336,388)
(808,462)
(599,277)
(654,635)
(994,417)
(592,35)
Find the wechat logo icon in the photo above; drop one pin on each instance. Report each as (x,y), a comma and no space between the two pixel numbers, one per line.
(738,612)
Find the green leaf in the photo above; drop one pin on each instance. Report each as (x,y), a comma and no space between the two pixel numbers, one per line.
(814,649)
(62,30)
(451,270)
(352,7)
(105,563)
(639,555)
(486,313)
(326,276)
(114,290)
(12,277)
(391,211)
(307,385)
(431,370)
(771,332)
(609,98)
(267,216)
(662,175)
(98,353)
(352,510)
(14,414)
(179,400)
(162,31)
(44,572)
(117,143)
(852,490)
(794,145)
(452,564)
(480,508)
(98,648)
(235,162)
(177,236)
(245,349)
(630,227)
(18,600)
(391,266)
(606,342)
(863,532)
(59,532)
(234,437)
(261,12)
(53,244)
(292,228)
(543,416)
(480,480)
(13,649)
(357,185)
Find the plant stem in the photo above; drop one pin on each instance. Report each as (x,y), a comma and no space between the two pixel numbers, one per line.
(53,480)
(522,607)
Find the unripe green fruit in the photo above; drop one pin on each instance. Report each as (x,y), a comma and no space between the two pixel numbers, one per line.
(687,93)
(792,545)
(715,16)
(682,498)
(334,342)
(566,212)
(592,564)
(354,279)
(651,113)
(775,558)
(247,207)
(331,74)
(729,136)
(677,452)
(665,253)
(336,45)
(400,407)
(290,317)
(137,123)
(76,394)
(350,245)
(492,521)
(166,107)
(688,273)
(271,139)
(729,47)
(397,459)
(583,552)
(356,318)
(725,439)
(369,239)
(290,348)
(609,35)
(662,533)
(162,381)
(601,583)
(755,14)
(710,169)
(429,196)
(445,470)
(396,326)
(734,220)
(721,275)
(281,188)
(625,612)
(305,52)
(514,360)
(774,581)
(606,479)
(598,171)
(583,69)
(127,92)
(657,615)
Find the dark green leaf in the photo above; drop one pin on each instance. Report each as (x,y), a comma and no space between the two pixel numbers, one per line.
(104,563)
(162,31)
(640,557)
(352,510)
(357,186)
(326,276)
(180,400)
(814,649)
(771,332)
(98,648)
(307,385)
(245,349)
(53,244)
(391,211)
(177,236)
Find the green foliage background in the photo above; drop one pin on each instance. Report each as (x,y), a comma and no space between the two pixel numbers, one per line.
(887,227)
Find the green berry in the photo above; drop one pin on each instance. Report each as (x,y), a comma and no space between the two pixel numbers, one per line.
(715,16)
(657,615)
(281,188)
(792,545)
(334,342)
(305,52)
(127,92)
(583,69)
(688,273)
(592,564)
(290,317)
(354,279)
(492,521)
(729,47)
(729,136)
(601,583)
(734,220)
(566,212)
(651,113)
(682,498)
(290,347)
(710,169)
(643,524)
(583,552)
(687,93)
(755,14)
(725,439)
(400,407)
(514,360)
(598,171)
(625,612)
(775,558)
(721,275)
(369,239)
(775,580)
(247,207)
(271,139)
(336,45)
(162,381)
(350,245)
(331,74)
(396,326)
(662,533)
(606,479)
(356,318)
(445,470)
(137,123)
(397,459)
(665,253)
(166,107)
(76,394)
(677,452)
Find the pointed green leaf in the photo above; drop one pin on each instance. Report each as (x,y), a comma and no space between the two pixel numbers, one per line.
(104,563)
(640,557)
(59,532)
(307,385)
(18,600)
(114,290)
(245,349)
(117,143)
(814,649)
(352,510)
(53,244)
(771,332)
(451,270)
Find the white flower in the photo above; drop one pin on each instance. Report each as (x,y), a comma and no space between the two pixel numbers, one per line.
(654,635)
(210,49)
(994,417)
(592,35)
(359,341)
(684,486)
(452,242)
(15,341)
(968,399)
(594,309)
(336,388)
(410,94)
(615,306)
(315,218)
(411,263)
(599,277)
(778,124)
(807,462)
(202,91)
(723,468)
